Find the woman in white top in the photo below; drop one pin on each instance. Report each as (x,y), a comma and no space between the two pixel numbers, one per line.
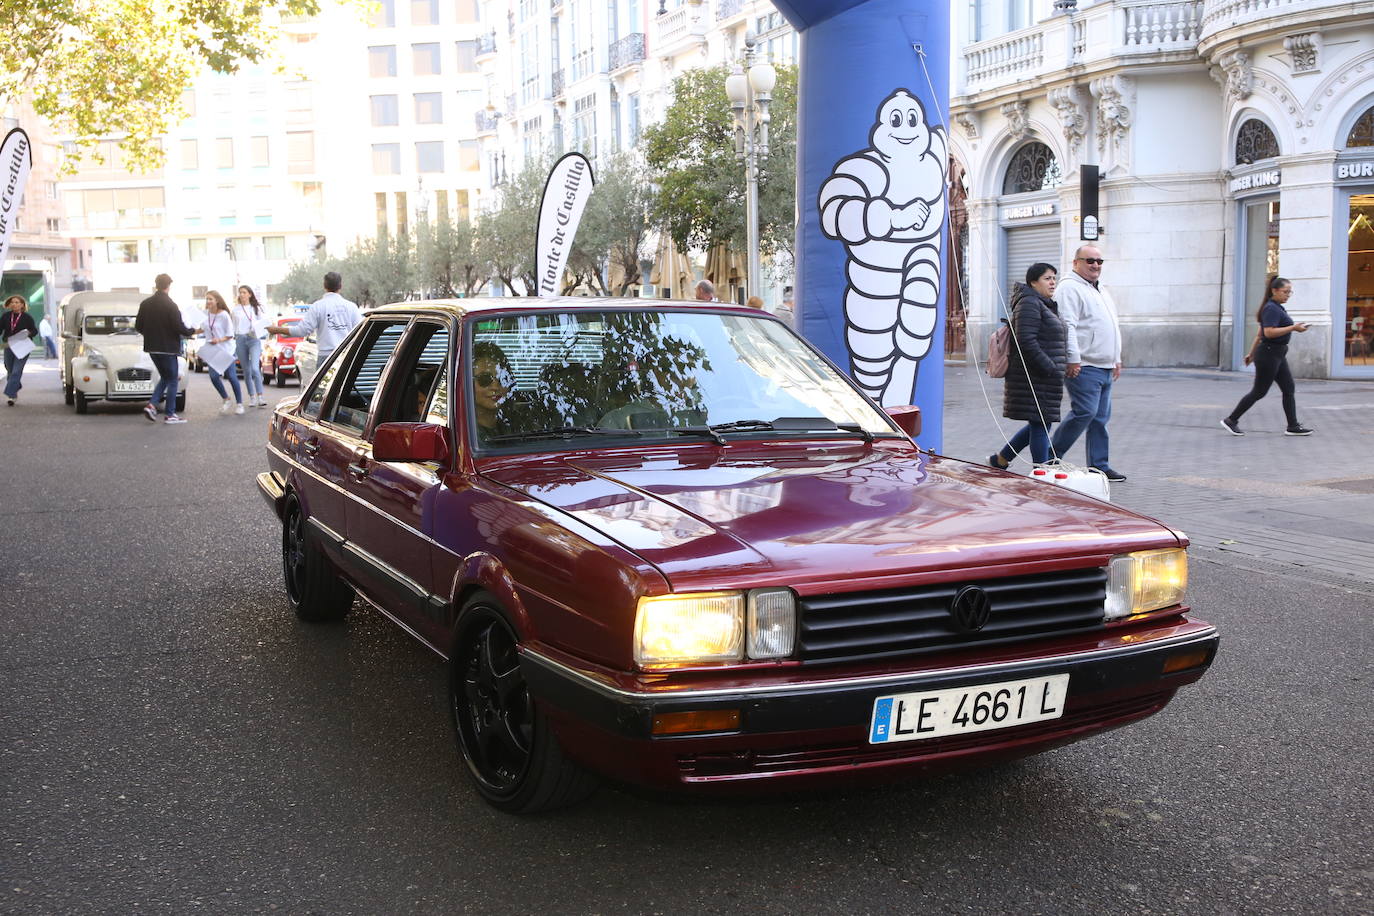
(249,324)
(219,333)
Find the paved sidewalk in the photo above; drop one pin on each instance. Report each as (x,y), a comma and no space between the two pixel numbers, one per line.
(1266,499)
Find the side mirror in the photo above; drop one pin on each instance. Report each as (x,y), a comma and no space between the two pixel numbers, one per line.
(410,442)
(68,335)
(908,417)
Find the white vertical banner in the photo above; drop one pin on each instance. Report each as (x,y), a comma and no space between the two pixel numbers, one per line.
(16,158)
(565,197)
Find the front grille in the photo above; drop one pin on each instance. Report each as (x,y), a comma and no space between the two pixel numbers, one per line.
(862,625)
(134,375)
(1074,723)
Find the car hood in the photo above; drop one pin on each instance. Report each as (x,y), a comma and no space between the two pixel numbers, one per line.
(788,512)
(120,352)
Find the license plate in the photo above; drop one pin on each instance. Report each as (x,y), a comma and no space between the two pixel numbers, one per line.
(133,386)
(979,708)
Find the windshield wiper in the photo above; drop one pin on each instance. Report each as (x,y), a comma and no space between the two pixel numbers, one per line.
(562,432)
(792,424)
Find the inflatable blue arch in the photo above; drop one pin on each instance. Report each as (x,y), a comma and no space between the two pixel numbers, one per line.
(872,173)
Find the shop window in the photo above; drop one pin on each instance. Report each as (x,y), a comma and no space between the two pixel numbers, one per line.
(1255,141)
(1359,278)
(1362,134)
(1033,168)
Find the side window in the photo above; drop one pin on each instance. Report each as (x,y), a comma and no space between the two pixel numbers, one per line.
(416,377)
(354,401)
(437,412)
(315,400)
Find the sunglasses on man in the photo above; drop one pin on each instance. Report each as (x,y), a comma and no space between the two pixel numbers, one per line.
(1093,260)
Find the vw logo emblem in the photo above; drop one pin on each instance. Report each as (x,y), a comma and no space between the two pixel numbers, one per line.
(970,609)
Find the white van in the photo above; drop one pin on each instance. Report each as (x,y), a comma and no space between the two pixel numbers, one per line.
(102,355)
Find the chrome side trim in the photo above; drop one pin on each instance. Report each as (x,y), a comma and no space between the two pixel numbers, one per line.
(362,502)
(386,569)
(876,681)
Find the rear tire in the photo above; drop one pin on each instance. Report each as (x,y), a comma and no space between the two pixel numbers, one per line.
(69,394)
(81,403)
(181,402)
(313,587)
(515,760)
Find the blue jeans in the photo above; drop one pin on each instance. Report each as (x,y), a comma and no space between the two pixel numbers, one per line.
(249,351)
(166,365)
(14,369)
(233,378)
(1035,435)
(1091,393)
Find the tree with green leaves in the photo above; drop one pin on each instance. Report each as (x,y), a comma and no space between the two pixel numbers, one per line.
(446,261)
(98,68)
(506,233)
(701,183)
(381,270)
(614,229)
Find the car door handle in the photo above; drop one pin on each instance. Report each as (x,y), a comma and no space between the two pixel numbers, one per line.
(357,470)
(311,448)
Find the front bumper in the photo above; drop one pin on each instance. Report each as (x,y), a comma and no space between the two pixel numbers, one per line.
(815,724)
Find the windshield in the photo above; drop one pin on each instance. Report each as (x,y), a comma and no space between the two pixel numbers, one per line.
(110,324)
(654,374)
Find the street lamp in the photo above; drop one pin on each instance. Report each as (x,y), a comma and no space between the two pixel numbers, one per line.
(751,91)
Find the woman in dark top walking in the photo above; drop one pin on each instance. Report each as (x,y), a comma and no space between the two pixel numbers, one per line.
(1035,369)
(15,320)
(1270,355)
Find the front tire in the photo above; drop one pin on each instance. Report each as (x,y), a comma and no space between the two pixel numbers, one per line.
(69,394)
(512,753)
(277,376)
(314,589)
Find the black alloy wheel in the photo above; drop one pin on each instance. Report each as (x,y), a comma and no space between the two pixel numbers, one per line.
(293,554)
(312,585)
(491,705)
(512,752)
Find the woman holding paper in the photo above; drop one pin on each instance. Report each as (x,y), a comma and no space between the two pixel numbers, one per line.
(218,350)
(18,331)
(249,323)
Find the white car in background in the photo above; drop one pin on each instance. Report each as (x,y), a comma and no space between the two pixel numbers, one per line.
(102,356)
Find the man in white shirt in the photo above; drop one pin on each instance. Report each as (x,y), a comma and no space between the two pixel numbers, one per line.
(706,291)
(1094,345)
(330,319)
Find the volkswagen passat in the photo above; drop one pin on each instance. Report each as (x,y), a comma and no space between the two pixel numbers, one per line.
(673,545)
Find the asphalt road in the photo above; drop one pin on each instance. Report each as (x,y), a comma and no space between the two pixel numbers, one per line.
(173,740)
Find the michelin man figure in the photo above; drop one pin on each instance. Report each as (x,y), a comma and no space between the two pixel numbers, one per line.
(887,205)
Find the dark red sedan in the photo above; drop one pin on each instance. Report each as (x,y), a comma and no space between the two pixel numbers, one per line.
(673,545)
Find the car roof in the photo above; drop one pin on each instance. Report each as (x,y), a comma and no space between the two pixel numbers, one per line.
(86,299)
(109,308)
(477,304)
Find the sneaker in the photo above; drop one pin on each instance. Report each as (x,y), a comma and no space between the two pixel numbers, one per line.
(262,401)
(1114,476)
(995,461)
(9,401)
(238,408)
(226,406)
(150,412)
(173,418)
(1231,426)
(1298,430)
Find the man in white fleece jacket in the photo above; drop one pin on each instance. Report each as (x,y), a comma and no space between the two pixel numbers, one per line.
(1094,339)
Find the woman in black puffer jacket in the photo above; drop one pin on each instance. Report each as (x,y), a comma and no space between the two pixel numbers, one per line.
(1035,370)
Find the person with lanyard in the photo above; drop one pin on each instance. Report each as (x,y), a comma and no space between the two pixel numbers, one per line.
(249,325)
(219,334)
(159,321)
(1269,353)
(18,331)
(330,319)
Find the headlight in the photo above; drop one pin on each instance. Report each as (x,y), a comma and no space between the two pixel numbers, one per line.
(1146,581)
(708,627)
(95,359)
(287,352)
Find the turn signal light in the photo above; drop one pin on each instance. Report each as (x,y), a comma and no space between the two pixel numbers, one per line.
(700,720)
(1185,660)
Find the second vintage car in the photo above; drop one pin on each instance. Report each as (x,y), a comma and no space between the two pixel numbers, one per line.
(102,356)
(671,544)
(279,355)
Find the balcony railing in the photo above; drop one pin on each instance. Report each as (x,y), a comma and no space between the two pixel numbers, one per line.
(677,25)
(727,8)
(1219,15)
(1105,31)
(486,44)
(486,122)
(558,83)
(628,50)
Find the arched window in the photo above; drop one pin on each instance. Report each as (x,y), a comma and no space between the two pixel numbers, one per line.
(1255,141)
(1362,134)
(1033,168)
